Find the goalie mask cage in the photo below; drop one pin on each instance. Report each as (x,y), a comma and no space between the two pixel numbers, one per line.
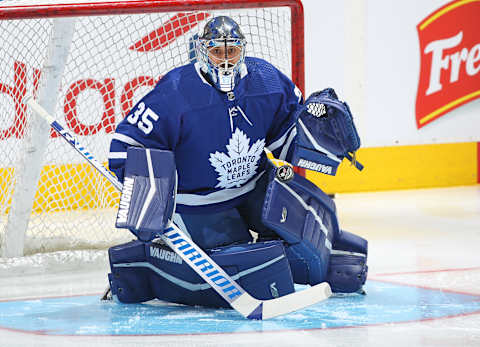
(87,63)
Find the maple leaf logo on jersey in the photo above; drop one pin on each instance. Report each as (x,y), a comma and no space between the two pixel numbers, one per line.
(240,162)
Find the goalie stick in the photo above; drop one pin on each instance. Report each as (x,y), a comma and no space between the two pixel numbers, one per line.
(197,259)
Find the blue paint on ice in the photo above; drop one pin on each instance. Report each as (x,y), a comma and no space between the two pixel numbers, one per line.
(86,315)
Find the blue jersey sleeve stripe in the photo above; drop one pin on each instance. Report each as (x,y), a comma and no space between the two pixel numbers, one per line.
(117,146)
(116,163)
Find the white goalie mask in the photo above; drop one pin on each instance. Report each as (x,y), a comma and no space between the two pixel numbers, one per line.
(221,52)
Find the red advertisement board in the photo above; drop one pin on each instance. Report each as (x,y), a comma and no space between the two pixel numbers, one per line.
(449,60)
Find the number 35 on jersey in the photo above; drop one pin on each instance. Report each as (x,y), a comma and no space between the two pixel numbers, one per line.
(143,117)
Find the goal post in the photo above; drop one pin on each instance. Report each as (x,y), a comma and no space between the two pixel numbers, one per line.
(88,63)
(30,164)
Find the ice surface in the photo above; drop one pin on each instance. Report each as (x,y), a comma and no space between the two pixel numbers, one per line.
(424,290)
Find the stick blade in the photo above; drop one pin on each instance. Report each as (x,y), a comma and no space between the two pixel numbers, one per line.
(296,301)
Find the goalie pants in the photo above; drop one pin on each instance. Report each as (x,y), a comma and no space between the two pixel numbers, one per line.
(230,226)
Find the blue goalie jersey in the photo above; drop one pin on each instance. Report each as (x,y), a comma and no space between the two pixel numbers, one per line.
(217,138)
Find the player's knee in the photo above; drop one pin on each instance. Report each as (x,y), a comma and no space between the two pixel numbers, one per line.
(344,267)
(128,282)
(308,267)
(346,274)
(348,268)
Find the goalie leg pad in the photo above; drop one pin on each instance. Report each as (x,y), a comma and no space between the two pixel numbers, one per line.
(305,217)
(140,272)
(348,268)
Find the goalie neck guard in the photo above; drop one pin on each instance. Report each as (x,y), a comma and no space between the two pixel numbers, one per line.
(221,52)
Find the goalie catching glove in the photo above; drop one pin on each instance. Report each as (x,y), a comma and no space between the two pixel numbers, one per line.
(326,134)
(148,195)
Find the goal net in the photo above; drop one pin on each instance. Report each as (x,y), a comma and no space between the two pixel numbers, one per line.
(88,63)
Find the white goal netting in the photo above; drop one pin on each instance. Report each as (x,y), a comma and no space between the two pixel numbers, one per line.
(88,71)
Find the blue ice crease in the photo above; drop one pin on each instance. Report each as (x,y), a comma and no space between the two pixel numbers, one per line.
(87,315)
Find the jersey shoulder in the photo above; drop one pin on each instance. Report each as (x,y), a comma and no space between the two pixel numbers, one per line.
(180,89)
(174,78)
(265,78)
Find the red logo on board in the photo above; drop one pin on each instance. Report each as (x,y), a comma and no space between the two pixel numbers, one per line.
(450,60)
(169,31)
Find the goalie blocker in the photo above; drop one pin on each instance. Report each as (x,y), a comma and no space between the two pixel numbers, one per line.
(148,195)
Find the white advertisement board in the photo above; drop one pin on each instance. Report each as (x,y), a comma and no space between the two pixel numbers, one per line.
(375,54)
